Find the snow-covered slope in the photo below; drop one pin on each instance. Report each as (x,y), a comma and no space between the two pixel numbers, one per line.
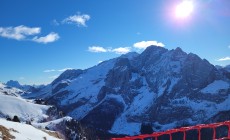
(9,90)
(40,116)
(13,105)
(25,110)
(21,131)
(51,124)
(216,87)
(165,87)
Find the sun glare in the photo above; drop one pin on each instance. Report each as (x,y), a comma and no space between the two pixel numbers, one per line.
(184,9)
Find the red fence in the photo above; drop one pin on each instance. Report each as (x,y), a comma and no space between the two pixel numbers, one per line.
(182,129)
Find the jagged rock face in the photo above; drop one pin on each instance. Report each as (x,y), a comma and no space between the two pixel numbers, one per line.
(120,74)
(165,87)
(226,71)
(227,68)
(104,114)
(68,75)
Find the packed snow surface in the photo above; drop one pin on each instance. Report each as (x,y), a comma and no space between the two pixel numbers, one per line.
(25,132)
(51,124)
(215,87)
(24,109)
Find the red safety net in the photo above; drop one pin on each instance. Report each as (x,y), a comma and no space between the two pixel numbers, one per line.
(183,130)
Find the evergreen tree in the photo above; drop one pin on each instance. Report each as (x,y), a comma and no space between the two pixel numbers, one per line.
(16,119)
(146,128)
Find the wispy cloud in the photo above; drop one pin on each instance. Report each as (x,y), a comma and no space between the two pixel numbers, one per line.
(145,44)
(65,69)
(224,59)
(55,22)
(78,19)
(124,50)
(52,70)
(51,37)
(97,49)
(21,78)
(26,33)
(229,46)
(19,32)
(60,70)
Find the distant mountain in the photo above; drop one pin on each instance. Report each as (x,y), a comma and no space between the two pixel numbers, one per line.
(26,88)
(13,83)
(13,105)
(35,120)
(166,88)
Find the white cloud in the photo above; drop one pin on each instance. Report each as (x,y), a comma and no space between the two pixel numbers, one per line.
(19,32)
(65,69)
(60,70)
(52,70)
(51,37)
(145,44)
(124,50)
(224,59)
(97,49)
(121,50)
(229,46)
(23,33)
(78,19)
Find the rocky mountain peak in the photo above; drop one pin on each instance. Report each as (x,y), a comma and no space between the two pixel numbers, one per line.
(130,55)
(154,50)
(166,87)
(68,74)
(13,83)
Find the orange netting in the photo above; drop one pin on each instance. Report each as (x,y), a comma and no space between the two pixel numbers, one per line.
(182,129)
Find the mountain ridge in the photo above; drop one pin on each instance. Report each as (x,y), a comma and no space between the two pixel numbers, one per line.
(161,86)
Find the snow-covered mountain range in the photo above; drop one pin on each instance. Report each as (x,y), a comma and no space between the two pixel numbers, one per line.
(26,88)
(26,112)
(22,119)
(13,105)
(167,88)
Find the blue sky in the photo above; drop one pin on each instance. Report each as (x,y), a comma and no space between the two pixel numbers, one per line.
(39,39)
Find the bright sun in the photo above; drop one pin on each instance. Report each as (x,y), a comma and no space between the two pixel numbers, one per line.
(184,9)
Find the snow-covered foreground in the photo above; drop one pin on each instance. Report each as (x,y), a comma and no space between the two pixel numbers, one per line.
(11,104)
(25,132)
(25,110)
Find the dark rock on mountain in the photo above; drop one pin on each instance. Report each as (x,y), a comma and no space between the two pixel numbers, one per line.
(168,88)
(68,75)
(13,83)
(25,88)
